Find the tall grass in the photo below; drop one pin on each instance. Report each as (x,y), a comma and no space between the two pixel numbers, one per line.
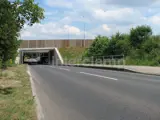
(72,52)
(16,100)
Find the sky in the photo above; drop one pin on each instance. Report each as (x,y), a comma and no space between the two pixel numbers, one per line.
(74,19)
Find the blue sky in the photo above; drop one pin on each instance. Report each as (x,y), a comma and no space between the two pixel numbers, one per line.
(104,17)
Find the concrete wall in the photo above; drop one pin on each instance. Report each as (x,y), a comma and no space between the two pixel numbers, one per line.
(56,43)
(57,57)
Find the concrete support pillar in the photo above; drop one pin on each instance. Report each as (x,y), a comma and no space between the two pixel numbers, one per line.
(49,58)
(21,57)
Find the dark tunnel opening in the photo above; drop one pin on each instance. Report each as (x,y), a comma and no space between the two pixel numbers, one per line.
(33,58)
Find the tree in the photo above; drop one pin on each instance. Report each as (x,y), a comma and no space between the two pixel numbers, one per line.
(13,16)
(139,34)
(98,47)
(152,43)
(151,47)
(118,45)
(8,30)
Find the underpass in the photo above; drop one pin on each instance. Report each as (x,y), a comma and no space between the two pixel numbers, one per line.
(39,55)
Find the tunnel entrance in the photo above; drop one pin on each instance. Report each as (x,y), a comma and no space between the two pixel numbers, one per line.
(46,56)
(38,57)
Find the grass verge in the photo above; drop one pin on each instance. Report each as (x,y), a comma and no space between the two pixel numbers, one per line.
(72,53)
(16,100)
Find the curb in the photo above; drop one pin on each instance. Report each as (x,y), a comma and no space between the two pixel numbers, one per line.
(39,112)
(32,84)
(110,68)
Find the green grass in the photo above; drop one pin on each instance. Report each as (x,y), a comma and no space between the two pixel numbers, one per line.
(142,62)
(72,53)
(16,100)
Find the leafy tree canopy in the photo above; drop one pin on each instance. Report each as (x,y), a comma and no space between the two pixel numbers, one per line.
(140,47)
(13,16)
(139,34)
(98,46)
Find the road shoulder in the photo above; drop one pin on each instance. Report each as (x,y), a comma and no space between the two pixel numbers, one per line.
(40,115)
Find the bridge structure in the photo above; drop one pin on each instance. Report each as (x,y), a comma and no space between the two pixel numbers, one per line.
(46,51)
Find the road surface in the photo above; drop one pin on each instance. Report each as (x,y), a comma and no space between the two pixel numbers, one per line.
(72,93)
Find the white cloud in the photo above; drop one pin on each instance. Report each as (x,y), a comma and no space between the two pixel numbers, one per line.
(25,34)
(72,29)
(130,2)
(65,20)
(100,18)
(113,14)
(111,29)
(101,30)
(155,20)
(105,27)
(49,31)
(119,16)
(93,10)
(50,13)
(59,3)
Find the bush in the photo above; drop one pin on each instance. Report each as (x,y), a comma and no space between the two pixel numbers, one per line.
(140,47)
(118,45)
(98,47)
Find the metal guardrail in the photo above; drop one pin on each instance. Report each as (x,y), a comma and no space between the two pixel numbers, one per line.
(103,60)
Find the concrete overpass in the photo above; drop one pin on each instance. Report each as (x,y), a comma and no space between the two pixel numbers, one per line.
(47,49)
(50,54)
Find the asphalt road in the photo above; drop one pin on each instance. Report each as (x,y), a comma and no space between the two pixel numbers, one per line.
(71,93)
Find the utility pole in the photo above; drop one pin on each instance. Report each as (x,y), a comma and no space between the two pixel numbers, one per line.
(68,34)
(67,31)
(84,33)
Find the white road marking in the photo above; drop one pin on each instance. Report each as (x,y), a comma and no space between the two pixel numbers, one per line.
(64,69)
(60,68)
(98,76)
(52,66)
(40,66)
